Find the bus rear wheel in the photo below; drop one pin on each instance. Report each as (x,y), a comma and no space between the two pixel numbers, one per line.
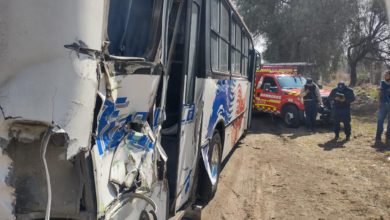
(207,189)
(291,116)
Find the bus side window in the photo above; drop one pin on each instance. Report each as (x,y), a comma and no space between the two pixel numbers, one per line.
(220,29)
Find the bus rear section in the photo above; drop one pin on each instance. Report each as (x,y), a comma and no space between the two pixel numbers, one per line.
(119,110)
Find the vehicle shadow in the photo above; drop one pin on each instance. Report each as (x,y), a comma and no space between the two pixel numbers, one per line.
(269,124)
(237,146)
(332,144)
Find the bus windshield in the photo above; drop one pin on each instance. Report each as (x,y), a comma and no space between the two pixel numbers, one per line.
(134,28)
(291,82)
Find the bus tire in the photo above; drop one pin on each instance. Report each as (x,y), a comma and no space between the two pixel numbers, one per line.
(291,116)
(206,189)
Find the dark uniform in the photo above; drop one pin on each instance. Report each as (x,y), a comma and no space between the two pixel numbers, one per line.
(342,97)
(384,110)
(311,101)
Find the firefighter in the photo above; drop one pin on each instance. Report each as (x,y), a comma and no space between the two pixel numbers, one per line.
(342,97)
(384,108)
(311,100)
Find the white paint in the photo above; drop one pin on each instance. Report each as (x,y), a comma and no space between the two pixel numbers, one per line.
(231,135)
(189,142)
(54,92)
(34,32)
(42,81)
(140,90)
(271,96)
(6,193)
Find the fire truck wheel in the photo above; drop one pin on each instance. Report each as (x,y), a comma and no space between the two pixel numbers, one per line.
(207,190)
(291,116)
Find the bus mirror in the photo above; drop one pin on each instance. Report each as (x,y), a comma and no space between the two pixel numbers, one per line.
(258,61)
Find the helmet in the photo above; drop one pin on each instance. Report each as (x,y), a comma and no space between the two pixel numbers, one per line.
(341,86)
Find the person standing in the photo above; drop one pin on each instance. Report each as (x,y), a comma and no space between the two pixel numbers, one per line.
(384,108)
(311,99)
(342,97)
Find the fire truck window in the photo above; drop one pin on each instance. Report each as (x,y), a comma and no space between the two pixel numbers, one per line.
(269,80)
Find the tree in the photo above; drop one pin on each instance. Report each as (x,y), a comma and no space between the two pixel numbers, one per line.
(368,36)
(300,30)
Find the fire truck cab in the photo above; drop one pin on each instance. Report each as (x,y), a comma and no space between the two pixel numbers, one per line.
(277,91)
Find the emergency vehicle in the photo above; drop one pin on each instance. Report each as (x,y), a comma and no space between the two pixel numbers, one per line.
(277,91)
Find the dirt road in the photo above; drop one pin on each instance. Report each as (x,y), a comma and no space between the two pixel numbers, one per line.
(281,173)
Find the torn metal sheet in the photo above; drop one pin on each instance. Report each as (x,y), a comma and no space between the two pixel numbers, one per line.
(63,73)
(126,150)
(128,106)
(132,158)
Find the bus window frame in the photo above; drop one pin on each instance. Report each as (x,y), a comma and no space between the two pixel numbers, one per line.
(219,35)
(212,72)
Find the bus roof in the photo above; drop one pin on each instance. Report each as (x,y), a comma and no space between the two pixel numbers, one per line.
(239,18)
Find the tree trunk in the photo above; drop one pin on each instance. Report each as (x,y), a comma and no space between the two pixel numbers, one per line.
(353,72)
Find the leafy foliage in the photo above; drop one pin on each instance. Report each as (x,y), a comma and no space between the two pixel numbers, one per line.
(300,30)
(368,36)
(322,32)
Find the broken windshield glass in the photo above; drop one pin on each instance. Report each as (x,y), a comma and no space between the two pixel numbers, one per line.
(134,28)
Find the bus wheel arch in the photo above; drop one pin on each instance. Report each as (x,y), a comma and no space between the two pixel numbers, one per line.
(220,127)
(291,115)
(206,188)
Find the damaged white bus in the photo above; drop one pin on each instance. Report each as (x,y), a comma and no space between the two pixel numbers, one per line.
(118,109)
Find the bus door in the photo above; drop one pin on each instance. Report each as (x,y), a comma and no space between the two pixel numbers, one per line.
(270,98)
(254,63)
(190,119)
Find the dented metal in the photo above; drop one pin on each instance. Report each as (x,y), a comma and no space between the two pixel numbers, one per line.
(54,81)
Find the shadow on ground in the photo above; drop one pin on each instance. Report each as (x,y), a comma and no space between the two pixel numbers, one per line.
(263,123)
(332,144)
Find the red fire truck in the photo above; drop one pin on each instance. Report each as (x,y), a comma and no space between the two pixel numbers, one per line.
(277,91)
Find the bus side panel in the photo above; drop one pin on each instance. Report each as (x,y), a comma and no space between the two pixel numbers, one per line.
(248,100)
(224,101)
(236,126)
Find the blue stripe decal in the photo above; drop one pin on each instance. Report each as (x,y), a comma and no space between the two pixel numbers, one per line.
(111,129)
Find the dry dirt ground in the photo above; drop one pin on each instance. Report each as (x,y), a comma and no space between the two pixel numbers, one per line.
(281,173)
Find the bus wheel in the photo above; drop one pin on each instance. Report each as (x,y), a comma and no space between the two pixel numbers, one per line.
(207,190)
(291,116)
